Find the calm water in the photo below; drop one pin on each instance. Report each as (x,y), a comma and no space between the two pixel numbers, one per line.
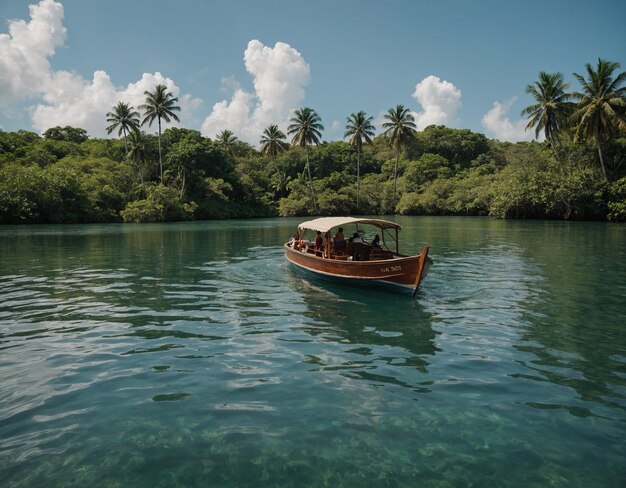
(192,355)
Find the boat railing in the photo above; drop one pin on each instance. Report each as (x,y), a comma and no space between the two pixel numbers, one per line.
(352,252)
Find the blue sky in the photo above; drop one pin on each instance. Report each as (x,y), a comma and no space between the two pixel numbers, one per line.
(241,65)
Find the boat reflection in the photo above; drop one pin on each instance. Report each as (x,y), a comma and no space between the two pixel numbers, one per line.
(378,337)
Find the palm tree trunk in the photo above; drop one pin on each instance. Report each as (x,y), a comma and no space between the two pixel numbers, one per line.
(600,154)
(125,141)
(556,147)
(160,161)
(280,190)
(358,177)
(182,186)
(308,168)
(395,180)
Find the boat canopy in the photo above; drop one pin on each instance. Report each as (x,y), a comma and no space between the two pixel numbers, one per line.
(324,224)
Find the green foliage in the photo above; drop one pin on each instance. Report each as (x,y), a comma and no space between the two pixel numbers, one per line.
(431,201)
(617,201)
(105,183)
(600,112)
(217,188)
(376,195)
(332,203)
(306,128)
(546,189)
(552,108)
(299,200)
(30,194)
(330,157)
(232,145)
(12,141)
(67,177)
(19,190)
(104,148)
(292,207)
(399,131)
(162,204)
(473,192)
(458,146)
(615,151)
(428,167)
(67,133)
(124,119)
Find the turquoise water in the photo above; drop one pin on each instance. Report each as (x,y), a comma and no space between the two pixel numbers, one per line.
(191,355)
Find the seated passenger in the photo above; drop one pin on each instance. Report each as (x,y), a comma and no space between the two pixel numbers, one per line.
(339,243)
(356,239)
(376,241)
(305,245)
(319,241)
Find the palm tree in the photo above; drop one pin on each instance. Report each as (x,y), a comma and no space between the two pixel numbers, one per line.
(359,129)
(306,127)
(125,118)
(398,130)
(601,105)
(227,140)
(553,107)
(160,104)
(272,144)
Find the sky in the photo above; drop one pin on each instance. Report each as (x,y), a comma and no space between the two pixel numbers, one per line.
(245,64)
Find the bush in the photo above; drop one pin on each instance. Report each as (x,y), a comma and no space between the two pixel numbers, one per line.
(295,207)
(162,204)
(547,189)
(41,195)
(617,201)
(431,201)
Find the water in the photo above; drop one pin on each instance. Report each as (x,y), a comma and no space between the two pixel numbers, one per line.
(192,355)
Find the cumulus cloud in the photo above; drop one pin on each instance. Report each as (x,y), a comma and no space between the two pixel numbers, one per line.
(498,125)
(25,50)
(66,98)
(280,75)
(440,101)
(71,100)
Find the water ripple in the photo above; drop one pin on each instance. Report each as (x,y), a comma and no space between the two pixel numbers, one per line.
(168,356)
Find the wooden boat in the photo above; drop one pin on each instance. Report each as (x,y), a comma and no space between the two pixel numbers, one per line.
(357,262)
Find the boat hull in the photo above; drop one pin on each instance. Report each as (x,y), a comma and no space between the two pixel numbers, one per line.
(399,272)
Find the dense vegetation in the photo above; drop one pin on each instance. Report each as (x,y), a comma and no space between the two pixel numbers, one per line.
(579,172)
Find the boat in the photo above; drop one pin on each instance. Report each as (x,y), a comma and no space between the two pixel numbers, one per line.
(357,260)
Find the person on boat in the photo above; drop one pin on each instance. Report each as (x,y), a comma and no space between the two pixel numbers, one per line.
(319,241)
(376,241)
(356,239)
(339,242)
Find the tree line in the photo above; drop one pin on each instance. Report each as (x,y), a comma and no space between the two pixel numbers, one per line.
(578,172)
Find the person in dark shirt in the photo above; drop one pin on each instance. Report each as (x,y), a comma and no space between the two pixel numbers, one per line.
(319,241)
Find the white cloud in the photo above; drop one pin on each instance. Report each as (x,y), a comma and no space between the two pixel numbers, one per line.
(229,84)
(71,100)
(498,125)
(66,98)
(24,51)
(440,101)
(280,75)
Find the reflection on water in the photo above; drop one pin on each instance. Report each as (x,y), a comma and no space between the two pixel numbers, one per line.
(187,354)
(380,332)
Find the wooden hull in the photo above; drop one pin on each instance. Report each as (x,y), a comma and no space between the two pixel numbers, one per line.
(403,272)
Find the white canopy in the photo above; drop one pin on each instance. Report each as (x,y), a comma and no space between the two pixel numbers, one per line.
(324,224)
